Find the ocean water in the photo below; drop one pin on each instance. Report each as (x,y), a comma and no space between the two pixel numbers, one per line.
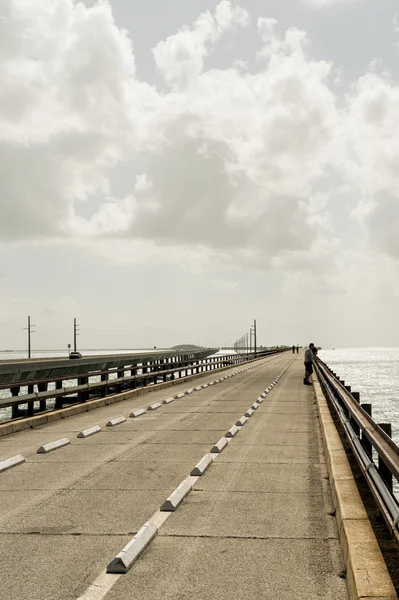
(374,372)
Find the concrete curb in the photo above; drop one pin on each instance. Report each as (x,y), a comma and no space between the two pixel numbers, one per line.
(179,494)
(219,446)
(232,431)
(11,462)
(135,548)
(88,432)
(202,466)
(53,446)
(168,400)
(154,406)
(366,572)
(241,422)
(138,413)
(116,421)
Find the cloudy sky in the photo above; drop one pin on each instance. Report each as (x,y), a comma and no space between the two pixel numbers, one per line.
(171,170)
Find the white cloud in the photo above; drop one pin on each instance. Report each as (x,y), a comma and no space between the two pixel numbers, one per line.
(371,126)
(327,3)
(225,163)
(180,58)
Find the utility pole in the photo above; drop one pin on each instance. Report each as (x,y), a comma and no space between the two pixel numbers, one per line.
(29,330)
(255,335)
(75,333)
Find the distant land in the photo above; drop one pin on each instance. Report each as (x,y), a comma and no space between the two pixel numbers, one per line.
(186,347)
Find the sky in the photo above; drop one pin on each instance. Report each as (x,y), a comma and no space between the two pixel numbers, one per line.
(171,171)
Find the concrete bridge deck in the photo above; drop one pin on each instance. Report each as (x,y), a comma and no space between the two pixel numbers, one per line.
(255,525)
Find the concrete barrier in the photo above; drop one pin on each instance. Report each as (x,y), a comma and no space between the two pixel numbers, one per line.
(53,446)
(178,495)
(202,465)
(9,463)
(219,446)
(154,406)
(232,431)
(116,421)
(131,552)
(137,413)
(88,432)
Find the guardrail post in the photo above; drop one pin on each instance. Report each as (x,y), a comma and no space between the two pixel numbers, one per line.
(382,466)
(356,428)
(15,409)
(41,387)
(120,373)
(365,442)
(82,395)
(58,401)
(348,388)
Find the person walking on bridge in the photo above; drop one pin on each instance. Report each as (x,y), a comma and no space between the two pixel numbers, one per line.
(293,349)
(309,359)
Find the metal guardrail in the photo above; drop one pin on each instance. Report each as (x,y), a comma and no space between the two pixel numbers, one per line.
(365,435)
(115,379)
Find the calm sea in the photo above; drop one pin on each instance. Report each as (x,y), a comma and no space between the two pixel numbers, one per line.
(374,372)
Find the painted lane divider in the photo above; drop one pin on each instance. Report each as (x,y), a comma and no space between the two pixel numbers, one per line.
(11,462)
(202,465)
(135,548)
(53,446)
(168,400)
(220,446)
(232,431)
(138,413)
(181,395)
(179,494)
(241,422)
(88,432)
(116,421)
(154,406)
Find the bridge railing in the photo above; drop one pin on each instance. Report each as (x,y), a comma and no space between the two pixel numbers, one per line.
(375,451)
(84,384)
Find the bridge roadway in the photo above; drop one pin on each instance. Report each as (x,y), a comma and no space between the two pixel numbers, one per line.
(255,525)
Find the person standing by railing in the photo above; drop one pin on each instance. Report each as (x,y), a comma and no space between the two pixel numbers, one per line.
(309,359)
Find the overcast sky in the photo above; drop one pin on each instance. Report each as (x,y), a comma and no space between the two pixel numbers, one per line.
(171,170)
